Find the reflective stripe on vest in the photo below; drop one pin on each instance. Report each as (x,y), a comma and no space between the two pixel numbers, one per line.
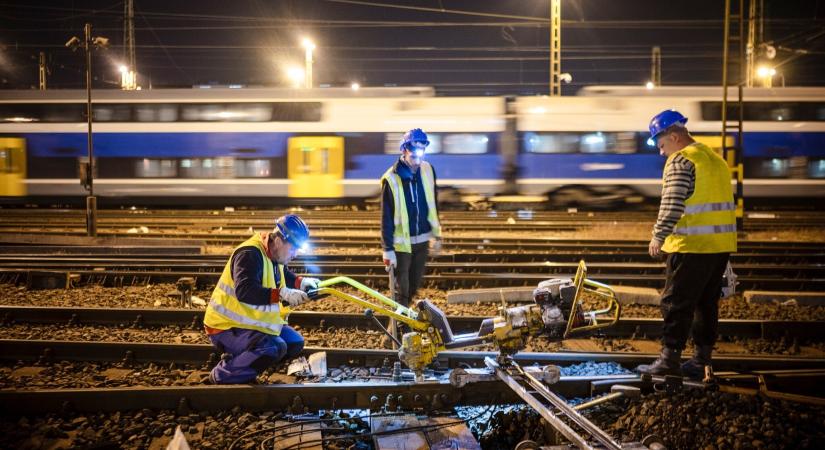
(709,222)
(225,311)
(705,207)
(704,229)
(401,235)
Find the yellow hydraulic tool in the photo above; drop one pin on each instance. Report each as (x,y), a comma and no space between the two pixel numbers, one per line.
(557,313)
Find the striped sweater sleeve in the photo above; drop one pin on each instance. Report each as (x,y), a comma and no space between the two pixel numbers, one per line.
(679,182)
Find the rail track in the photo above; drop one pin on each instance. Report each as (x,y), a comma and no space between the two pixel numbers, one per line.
(193,319)
(445,275)
(523,220)
(359,393)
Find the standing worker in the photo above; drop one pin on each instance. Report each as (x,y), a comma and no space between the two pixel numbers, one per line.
(409,215)
(246,317)
(696,229)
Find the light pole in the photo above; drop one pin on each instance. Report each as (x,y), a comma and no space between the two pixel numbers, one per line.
(87,171)
(309,46)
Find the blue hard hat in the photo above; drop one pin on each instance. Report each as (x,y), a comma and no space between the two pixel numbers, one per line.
(664,120)
(414,135)
(293,229)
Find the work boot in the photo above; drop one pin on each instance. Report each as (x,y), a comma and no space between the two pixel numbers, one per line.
(666,364)
(695,367)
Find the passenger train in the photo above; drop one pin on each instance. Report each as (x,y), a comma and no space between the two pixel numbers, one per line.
(259,146)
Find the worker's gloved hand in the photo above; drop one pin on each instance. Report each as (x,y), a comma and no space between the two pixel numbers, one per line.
(309,283)
(435,249)
(292,297)
(389,259)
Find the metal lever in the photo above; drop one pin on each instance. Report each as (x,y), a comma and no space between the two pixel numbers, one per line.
(371,314)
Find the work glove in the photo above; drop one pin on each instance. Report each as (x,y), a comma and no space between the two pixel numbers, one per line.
(309,283)
(436,247)
(292,297)
(389,260)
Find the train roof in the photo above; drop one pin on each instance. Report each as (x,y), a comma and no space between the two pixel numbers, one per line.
(713,92)
(216,94)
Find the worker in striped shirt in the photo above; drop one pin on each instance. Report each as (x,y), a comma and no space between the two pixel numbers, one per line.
(696,230)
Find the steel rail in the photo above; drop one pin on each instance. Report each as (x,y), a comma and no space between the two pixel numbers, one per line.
(203,354)
(435,267)
(193,319)
(175,255)
(470,243)
(428,395)
(439,281)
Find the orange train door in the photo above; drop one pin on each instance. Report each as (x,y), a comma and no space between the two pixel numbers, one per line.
(315,166)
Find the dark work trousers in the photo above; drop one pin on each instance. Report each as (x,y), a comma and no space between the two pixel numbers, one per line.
(410,272)
(691,296)
(252,352)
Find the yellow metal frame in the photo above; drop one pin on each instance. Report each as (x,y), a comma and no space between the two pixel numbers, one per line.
(613,310)
(384,305)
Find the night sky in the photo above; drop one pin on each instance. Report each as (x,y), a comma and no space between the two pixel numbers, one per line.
(461,47)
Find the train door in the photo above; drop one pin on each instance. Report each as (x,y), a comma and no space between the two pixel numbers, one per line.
(12,167)
(315,166)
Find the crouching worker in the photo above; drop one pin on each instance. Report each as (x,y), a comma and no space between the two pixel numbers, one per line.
(246,317)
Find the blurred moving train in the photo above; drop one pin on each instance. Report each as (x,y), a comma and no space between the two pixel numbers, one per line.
(253,146)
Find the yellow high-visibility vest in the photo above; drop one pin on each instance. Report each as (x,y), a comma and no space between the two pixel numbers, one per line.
(709,222)
(401,235)
(225,311)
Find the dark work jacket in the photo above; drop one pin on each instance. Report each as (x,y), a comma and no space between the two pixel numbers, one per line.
(417,207)
(248,275)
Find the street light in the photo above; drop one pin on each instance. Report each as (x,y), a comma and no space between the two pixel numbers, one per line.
(87,170)
(295,74)
(649,85)
(128,78)
(309,46)
(766,74)
(355,86)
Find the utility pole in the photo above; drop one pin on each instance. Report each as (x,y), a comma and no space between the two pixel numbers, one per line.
(555,48)
(309,47)
(87,170)
(42,71)
(656,66)
(732,128)
(750,48)
(128,79)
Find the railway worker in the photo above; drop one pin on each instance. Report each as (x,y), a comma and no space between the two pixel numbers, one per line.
(246,317)
(696,229)
(409,215)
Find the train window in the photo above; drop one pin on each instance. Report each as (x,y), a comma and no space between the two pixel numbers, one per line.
(42,112)
(156,168)
(6,165)
(816,168)
(773,168)
(251,112)
(196,168)
(551,142)
(595,142)
(252,168)
(465,143)
(111,112)
(156,112)
(392,142)
(767,111)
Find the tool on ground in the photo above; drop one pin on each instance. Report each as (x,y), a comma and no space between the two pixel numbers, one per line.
(557,312)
